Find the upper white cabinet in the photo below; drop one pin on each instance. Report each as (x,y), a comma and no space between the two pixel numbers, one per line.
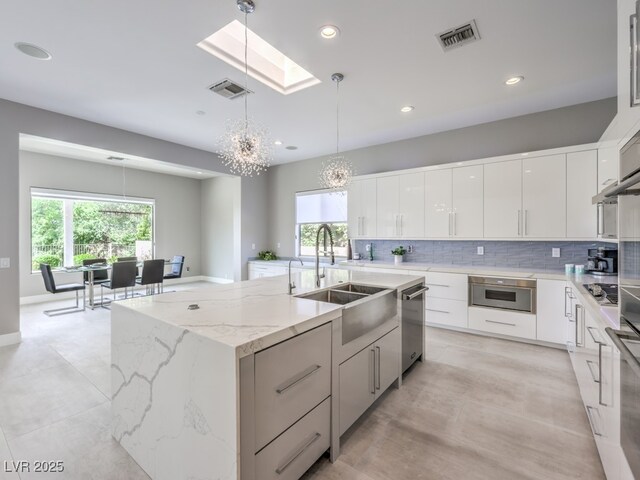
(544,199)
(400,200)
(607,167)
(438,197)
(503,199)
(361,210)
(582,185)
(467,213)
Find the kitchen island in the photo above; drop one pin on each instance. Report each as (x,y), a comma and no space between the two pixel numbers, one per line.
(226,381)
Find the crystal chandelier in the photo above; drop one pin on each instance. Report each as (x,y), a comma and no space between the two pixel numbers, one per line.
(336,172)
(245,147)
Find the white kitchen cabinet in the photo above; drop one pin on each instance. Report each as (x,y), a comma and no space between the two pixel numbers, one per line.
(544,199)
(361,208)
(503,322)
(467,202)
(400,200)
(450,313)
(438,197)
(552,323)
(503,199)
(608,159)
(365,376)
(582,185)
(257,270)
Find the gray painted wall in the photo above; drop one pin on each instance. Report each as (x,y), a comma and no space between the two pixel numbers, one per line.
(15,119)
(220,203)
(562,127)
(255,219)
(177,215)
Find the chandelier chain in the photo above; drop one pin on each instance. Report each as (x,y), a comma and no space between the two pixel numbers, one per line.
(246,72)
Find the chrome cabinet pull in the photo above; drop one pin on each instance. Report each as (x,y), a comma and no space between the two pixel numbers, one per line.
(500,323)
(519,222)
(599,342)
(579,344)
(633,40)
(600,400)
(590,365)
(437,285)
(600,217)
(300,451)
(455,226)
(438,311)
(450,223)
(297,379)
(415,294)
(378,369)
(373,371)
(525,223)
(592,422)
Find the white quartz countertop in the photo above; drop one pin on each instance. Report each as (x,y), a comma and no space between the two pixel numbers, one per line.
(609,315)
(253,315)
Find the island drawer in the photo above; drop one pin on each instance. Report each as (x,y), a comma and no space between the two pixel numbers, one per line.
(293,452)
(290,379)
(503,322)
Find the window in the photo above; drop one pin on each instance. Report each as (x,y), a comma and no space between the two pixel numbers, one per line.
(68,227)
(312,210)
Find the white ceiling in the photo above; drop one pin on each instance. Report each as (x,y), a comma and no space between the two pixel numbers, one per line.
(135,65)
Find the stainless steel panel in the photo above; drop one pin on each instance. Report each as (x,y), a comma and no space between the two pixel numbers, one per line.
(293,452)
(290,379)
(413,311)
(361,317)
(503,282)
(505,297)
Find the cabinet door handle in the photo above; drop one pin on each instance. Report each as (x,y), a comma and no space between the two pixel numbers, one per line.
(297,379)
(578,306)
(455,226)
(633,33)
(378,369)
(438,311)
(298,452)
(373,371)
(437,285)
(401,225)
(596,431)
(600,211)
(526,222)
(500,323)
(519,222)
(599,342)
(590,365)
(600,400)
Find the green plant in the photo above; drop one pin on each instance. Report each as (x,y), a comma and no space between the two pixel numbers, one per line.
(77,259)
(399,251)
(267,255)
(53,260)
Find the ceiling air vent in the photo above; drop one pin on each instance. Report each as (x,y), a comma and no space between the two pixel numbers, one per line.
(228,89)
(458,36)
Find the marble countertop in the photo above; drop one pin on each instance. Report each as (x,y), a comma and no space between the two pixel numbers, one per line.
(609,315)
(253,315)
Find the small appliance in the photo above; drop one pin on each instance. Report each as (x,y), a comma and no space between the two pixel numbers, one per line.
(602,261)
(604,293)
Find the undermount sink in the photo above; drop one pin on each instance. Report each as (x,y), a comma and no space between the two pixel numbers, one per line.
(365,307)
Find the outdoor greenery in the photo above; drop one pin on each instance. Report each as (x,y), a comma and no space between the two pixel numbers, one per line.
(308,232)
(98,228)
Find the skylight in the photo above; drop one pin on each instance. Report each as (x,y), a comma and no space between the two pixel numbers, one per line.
(266,63)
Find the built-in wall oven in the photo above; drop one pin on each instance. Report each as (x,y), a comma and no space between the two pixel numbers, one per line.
(504,293)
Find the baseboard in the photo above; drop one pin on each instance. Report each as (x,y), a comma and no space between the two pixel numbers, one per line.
(48,297)
(10,339)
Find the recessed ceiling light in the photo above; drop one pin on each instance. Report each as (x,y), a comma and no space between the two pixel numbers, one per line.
(200,112)
(33,50)
(291,147)
(199,173)
(329,31)
(525,154)
(115,159)
(514,80)
(277,142)
(407,108)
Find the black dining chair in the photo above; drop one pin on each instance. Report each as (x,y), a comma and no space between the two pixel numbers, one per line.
(99,276)
(177,262)
(152,275)
(123,275)
(50,285)
(129,259)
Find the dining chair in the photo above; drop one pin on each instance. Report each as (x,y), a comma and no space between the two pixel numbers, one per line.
(177,262)
(152,275)
(99,276)
(129,259)
(123,275)
(50,285)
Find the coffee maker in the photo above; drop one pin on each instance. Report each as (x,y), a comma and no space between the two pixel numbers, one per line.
(602,261)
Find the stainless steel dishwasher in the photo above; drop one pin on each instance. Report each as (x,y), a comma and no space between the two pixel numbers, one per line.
(413,324)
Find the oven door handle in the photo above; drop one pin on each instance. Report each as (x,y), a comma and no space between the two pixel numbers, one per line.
(625,353)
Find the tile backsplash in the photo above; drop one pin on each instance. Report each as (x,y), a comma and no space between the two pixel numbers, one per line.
(514,254)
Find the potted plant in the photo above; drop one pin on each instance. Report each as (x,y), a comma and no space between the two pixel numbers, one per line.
(398,254)
(267,255)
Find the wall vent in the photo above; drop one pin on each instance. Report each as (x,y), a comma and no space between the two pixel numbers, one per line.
(228,89)
(459,36)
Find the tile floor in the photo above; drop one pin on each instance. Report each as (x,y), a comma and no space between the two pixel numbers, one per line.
(478,408)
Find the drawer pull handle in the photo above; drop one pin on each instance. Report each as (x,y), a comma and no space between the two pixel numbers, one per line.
(302,449)
(437,285)
(591,366)
(438,311)
(599,342)
(415,294)
(297,379)
(501,323)
(592,422)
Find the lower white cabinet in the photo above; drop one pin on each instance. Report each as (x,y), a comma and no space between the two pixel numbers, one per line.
(552,323)
(442,311)
(503,322)
(257,270)
(366,375)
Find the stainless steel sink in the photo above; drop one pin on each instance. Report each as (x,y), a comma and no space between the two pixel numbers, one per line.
(365,307)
